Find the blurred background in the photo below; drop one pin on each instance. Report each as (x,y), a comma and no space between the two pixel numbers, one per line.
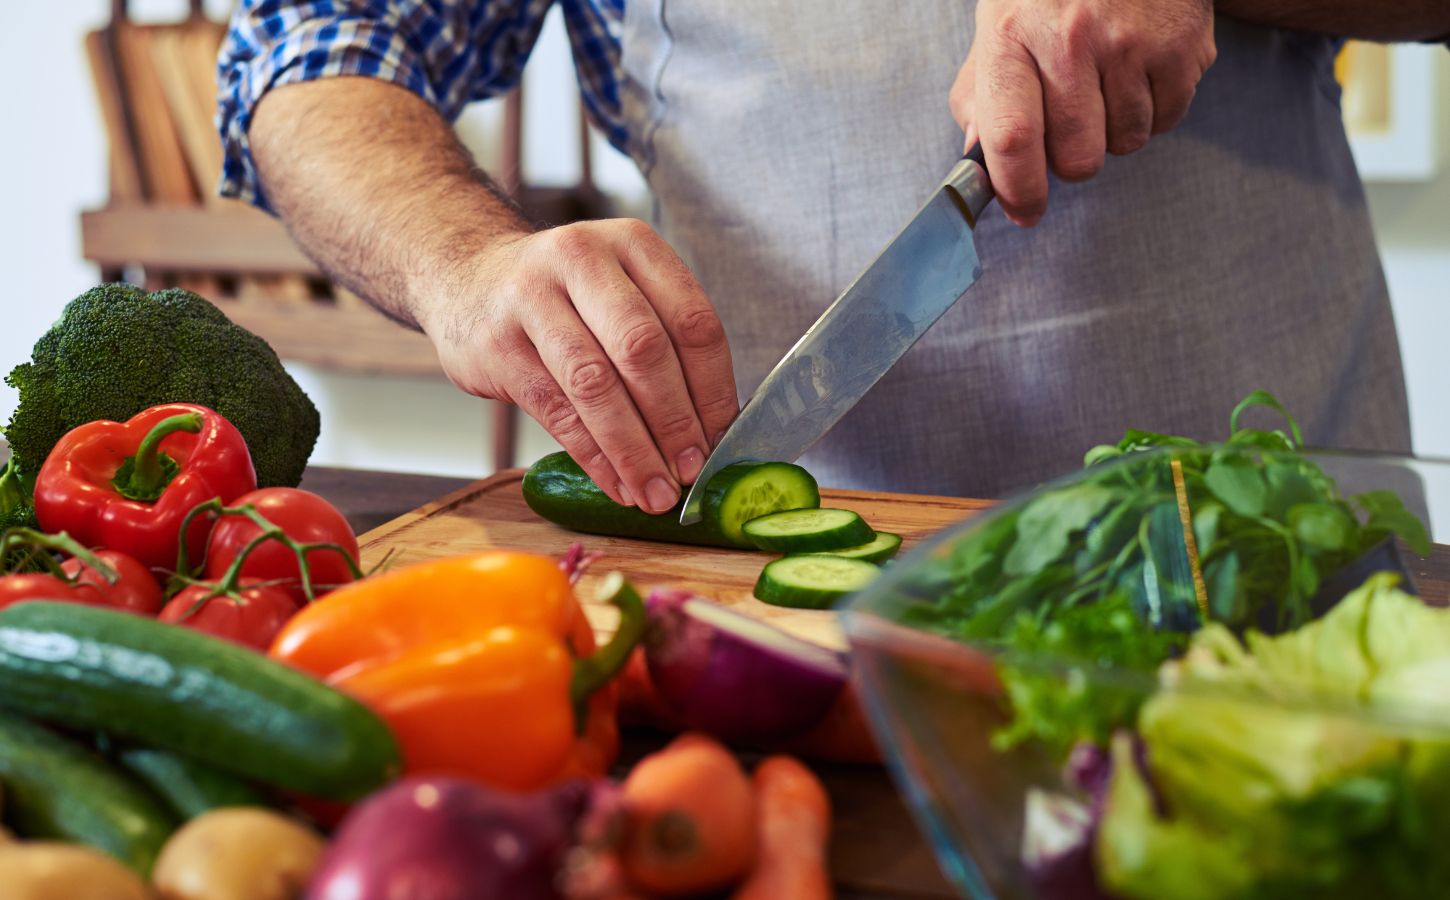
(384,405)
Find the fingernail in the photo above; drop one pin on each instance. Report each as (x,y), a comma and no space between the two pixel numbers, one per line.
(625,496)
(661,494)
(690,462)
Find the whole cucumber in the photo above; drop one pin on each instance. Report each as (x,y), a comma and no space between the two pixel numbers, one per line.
(188,787)
(558,490)
(57,789)
(140,680)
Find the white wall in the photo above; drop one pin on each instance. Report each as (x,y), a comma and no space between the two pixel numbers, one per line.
(52,163)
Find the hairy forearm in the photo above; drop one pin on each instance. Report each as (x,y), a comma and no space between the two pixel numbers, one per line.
(1375,20)
(376,188)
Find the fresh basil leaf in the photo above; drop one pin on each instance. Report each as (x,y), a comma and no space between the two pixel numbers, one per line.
(1205,526)
(1048,523)
(1290,484)
(1322,526)
(1264,398)
(1387,513)
(1101,453)
(1226,602)
(1238,483)
(1107,537)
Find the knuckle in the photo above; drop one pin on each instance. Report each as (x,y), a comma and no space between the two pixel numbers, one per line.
(720,408)
(572,245)
(590,381)
(673,426)
(643,345)
(1129,139)
(1013,135)
(1077,166)
(636,230)
(699,328)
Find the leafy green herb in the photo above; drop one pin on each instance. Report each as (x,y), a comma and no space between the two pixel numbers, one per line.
(1098,570)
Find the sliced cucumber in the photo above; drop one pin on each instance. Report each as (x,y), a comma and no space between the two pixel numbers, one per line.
(812,581)
(808,530)
(882,548)
(558,490)
(744,491)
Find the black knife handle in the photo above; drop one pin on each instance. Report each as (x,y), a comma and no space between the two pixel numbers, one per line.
(970,181)
(975,155)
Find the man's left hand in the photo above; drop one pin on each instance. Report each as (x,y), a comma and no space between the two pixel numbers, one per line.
(1063,81)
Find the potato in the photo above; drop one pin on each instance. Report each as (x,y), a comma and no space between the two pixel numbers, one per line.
(43,870)
(237,853)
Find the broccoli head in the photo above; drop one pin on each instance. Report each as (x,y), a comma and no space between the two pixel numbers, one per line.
(118,350)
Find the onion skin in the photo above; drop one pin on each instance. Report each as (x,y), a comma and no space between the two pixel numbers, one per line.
(450,839)
(726,682)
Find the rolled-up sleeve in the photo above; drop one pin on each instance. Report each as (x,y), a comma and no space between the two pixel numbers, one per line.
(449,52)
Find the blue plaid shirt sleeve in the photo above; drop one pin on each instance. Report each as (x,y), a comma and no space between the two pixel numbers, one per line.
(449,52)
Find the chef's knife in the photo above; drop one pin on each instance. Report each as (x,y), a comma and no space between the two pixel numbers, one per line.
(920,274)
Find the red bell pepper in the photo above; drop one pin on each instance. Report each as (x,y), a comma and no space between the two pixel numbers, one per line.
(128,486)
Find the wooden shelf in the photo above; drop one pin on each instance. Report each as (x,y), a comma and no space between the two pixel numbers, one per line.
(233,238)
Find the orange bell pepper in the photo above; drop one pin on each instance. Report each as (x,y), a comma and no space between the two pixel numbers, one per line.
(484,666)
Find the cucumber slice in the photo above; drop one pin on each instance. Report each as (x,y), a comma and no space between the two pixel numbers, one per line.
(808,530)
(744,491)
(812,581)
(882,548)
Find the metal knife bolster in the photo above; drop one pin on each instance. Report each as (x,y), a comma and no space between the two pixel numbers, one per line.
(968,180)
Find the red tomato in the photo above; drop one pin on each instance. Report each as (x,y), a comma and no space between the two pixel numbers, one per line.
(304,517)
(135,590)
(42,586)
(252,617)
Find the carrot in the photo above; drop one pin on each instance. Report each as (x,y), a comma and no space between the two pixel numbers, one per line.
(691,819)
(793,830)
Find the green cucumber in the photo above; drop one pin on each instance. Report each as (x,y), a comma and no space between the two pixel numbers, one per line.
(808,530)
(137,679)
(187,787)
(882,548)
(56,789)
(558,490)
(812,580)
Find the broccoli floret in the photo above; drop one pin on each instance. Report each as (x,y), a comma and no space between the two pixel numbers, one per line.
(118,350)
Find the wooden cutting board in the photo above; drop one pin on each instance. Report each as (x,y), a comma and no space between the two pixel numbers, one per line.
(492,513)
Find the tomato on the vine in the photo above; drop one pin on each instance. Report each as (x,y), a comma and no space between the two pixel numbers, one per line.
(302,516)
(136,589)
(44,586)
(251,616)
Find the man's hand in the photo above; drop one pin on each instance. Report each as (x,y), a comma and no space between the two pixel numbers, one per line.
(1058,82)
(599,331)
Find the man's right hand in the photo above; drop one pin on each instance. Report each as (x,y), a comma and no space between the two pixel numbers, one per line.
(599,331)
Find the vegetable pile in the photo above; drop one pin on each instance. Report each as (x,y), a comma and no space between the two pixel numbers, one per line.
(198,681)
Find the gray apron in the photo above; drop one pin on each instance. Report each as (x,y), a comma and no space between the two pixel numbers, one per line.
(786,143)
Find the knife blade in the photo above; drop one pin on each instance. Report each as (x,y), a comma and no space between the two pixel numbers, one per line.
(918,277)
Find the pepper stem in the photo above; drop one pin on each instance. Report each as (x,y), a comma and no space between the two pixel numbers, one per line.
(594,671)
(144,477)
